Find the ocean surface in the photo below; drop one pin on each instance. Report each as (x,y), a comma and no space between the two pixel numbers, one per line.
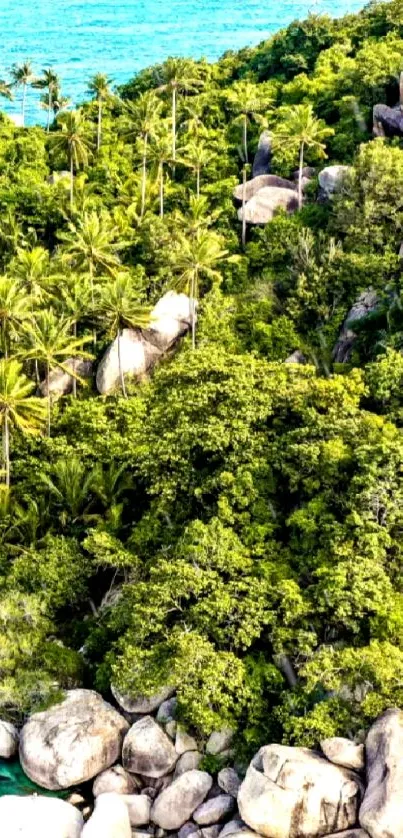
(119,37)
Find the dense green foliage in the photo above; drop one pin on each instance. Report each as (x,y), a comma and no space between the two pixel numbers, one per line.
(233,525)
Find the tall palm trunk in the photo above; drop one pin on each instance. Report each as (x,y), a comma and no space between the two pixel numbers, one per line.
(174,91)
(71,181)
(49,109)
(161,179)
(243,207)
(99,130)
(6,448)
(144,176)
(24,96)
(121,374)
(301,166)
(74,385)
(198,181)
(245,137)
(49,397)
(193,289)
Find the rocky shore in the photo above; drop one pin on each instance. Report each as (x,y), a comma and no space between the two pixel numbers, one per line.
(132,771)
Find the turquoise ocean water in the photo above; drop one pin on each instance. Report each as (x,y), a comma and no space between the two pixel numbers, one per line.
(119,37)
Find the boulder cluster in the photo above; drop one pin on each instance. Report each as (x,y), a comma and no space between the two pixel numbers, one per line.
(261,197)
(133,771)
(137,349)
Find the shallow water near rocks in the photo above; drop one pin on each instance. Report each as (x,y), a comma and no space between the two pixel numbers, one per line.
(82,37)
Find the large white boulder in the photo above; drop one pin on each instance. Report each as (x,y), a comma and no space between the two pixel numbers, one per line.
(114,779)
(261,208)
(148,750)
(294,793)
(175,805)
(344,752)
(171,318)
(142,703)
(8,740)
(381,813)
(72,741)
(252,187)
(137,357)
(110,818)
(331,179)
(39,817)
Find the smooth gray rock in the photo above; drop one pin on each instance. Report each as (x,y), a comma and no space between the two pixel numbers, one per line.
(252,187)
(174,806)
(381,813)
(140,703)
(366,304)
(171,318)
(297,357)
(71,742)
(171,728)
(331,179)
(115,779)
(229,781)
(262,207)
(294,793)
(188,761)
(148,750)
(138,356)
(236,826)
(219,741)
(9,738)
(350,833)
(262,160)
(60,382)
(139,808)
(184,742)
(214,810)
(188,828)
(344,752)
(39,817)
(167,710)
(387,122)
(212,831)
(110,818)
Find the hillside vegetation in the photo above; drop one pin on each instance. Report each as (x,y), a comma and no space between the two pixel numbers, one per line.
(233,525)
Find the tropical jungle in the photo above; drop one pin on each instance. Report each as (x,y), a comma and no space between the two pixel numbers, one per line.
(230,524)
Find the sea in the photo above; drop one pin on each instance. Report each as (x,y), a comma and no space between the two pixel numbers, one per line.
(119,37)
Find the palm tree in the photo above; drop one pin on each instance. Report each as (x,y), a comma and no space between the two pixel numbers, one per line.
(14,309)
(178,75)
(72,141)
(60,102)
(31,267)
(143,119)
(18,408)
(161,156)
(50,81)
(69,484)
(196,217)
(76,294)
(118,307)
(100,88)
(5,90)
(22,75)
(49,341)
(196,155)
(89,245)
(300,129)
(197,258)
(246,100)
